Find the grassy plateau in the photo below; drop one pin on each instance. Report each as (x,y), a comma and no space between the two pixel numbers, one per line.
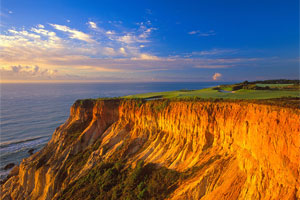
(245,90)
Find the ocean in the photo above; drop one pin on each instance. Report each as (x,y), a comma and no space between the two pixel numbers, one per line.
(30,112)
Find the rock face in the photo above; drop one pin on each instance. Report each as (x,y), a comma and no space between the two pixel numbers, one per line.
(9,166)
(239,150)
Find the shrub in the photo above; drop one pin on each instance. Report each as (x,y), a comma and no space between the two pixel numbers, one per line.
(113,181)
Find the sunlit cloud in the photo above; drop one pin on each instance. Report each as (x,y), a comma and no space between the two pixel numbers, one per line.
(122,51)
(110,32)
(44,47)
(146,57)
(93,25)
(40,26)
(216,76)
(115,51)
(73,33)
(131,39)
(24,33)
(27,72)
(110,51)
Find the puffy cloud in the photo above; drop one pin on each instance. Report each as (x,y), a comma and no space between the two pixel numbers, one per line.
(141,35)
(93,25)
(132,39)
(128,39)
(73,33)
(122,51)
(216,76)
(24,33)
(118,51)
(27,72)
(109,51)
(29,46)
(110,32)
(41,31)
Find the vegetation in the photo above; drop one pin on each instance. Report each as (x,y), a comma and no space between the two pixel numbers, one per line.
(160,106)
(116,181)
(278,81)
(75,130)
(212,93)
(272,92)
(244,90)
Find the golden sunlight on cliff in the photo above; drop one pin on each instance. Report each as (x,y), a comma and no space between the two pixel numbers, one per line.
(235,150)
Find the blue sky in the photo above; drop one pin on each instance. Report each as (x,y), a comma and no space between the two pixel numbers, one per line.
(149,40)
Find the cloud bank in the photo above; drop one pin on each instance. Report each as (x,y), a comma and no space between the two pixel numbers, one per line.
(27,72)
(101,53)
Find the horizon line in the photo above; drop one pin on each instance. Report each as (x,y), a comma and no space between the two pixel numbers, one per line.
(95,81)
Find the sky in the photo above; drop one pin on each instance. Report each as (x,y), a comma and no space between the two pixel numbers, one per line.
(148,40)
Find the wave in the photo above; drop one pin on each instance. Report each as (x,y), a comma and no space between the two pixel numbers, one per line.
(14,142)
(13,153)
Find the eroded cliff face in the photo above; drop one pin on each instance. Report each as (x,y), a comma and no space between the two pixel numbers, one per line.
(236,150)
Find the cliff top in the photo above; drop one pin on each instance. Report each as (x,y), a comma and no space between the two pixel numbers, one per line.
(283,93)
(287,102)
(244,90)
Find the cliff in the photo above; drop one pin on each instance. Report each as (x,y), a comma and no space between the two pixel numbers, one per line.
(112,149)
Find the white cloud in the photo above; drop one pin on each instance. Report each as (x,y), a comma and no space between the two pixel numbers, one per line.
(128,39)
(10,12)
(119,50)
(216,76)
(93,25)
(110,32)
(132,39)
(73,33)
(109,51)
(213,52)
(24,33)
(144,56)
(15,72)
(43,32)
(193,32)
(123,51)
(202,34)
(141,35)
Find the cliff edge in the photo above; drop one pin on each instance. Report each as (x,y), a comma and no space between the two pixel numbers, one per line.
(133,149)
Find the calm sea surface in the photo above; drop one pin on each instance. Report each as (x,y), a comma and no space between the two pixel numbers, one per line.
(31,112)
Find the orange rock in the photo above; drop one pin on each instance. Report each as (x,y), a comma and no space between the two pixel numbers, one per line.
(241,150)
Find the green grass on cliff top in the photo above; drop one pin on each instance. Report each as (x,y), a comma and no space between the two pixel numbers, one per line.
(214,92)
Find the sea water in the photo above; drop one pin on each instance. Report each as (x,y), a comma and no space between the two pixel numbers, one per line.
(30,112)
